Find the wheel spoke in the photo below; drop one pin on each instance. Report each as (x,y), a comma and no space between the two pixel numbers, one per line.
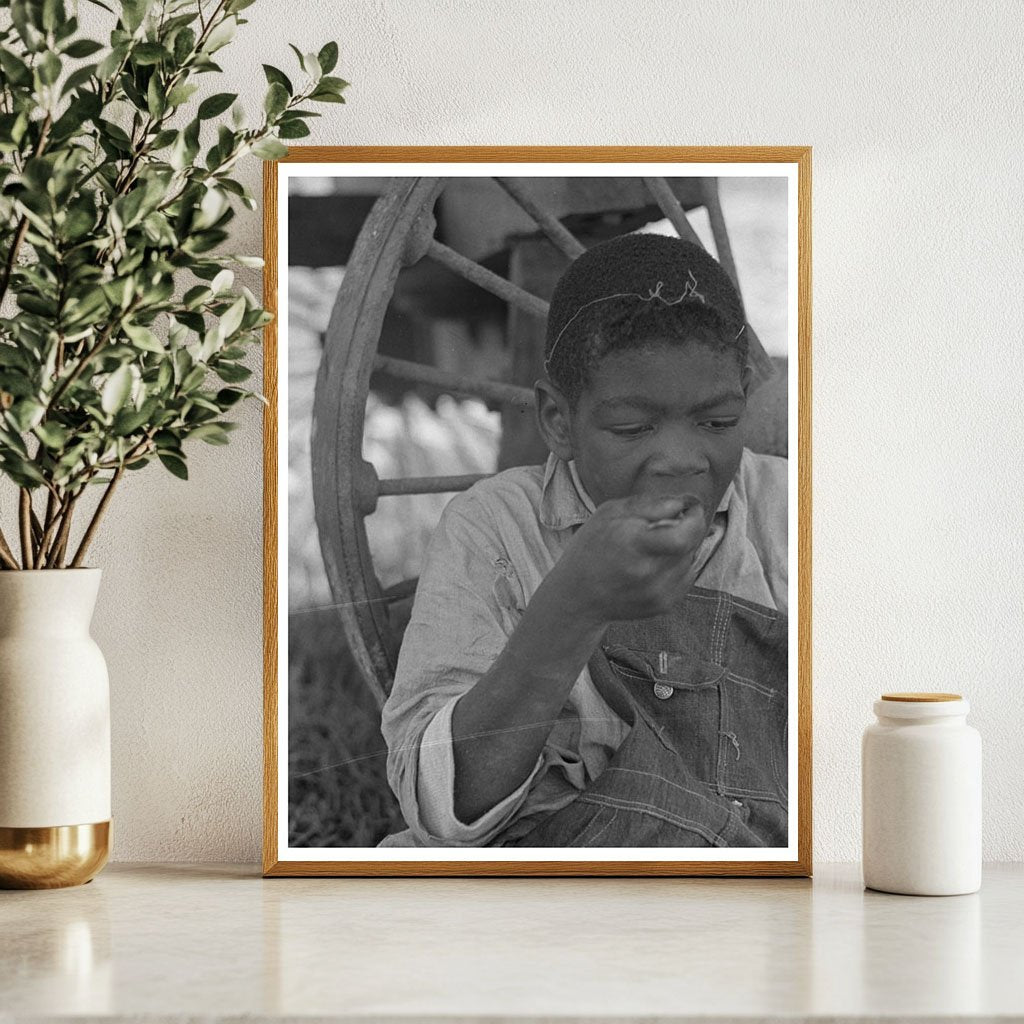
(429,484)
(718,230)
(492,390)
(558,234)
(487,279)
(672,208)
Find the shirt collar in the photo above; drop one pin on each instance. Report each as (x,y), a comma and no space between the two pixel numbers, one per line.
(565,503)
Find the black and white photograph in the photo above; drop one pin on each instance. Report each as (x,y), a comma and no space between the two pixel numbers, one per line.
(538,509)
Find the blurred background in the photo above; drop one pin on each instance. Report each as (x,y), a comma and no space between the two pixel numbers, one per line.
(338,792)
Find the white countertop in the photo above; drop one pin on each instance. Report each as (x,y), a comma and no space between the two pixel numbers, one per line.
(178,941)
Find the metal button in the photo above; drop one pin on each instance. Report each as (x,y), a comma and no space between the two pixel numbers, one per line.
(663,691)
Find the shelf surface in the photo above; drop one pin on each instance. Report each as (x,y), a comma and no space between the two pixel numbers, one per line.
(175,942)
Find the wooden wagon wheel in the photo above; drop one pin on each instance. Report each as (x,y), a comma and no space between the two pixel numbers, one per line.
(399,232)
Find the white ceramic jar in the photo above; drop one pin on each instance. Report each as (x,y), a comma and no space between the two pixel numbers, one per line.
(921,790)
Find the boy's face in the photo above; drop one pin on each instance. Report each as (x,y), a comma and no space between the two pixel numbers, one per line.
(660,420)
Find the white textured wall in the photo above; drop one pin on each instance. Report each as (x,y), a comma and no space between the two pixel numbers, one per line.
(914,113)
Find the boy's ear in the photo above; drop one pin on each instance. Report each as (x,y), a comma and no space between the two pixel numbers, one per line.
(554,419)
(745,380)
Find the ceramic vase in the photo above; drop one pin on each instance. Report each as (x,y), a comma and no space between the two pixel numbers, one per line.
(54,731)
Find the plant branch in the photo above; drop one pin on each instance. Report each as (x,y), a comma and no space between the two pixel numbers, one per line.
(54,506)
(25,521)
(86,358)
(90,531)
(6,554)
(22,229)
(61,542)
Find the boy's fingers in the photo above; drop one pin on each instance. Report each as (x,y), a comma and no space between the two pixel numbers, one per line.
(665,507)
(676,537)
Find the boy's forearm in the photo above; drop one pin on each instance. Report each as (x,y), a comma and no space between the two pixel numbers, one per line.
(500,726)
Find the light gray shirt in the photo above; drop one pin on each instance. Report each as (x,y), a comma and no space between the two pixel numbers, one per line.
(494,545)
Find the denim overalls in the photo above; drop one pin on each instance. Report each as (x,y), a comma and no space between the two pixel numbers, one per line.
(704,691)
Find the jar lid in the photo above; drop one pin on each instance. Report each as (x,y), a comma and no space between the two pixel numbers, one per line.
(921,705)
(921,697)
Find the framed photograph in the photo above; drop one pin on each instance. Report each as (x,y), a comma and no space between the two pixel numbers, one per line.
(537,478)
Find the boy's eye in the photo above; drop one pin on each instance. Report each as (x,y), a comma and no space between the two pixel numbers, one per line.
(631,430)
(724,424)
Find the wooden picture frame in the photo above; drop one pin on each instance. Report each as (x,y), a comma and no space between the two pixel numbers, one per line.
(360,598)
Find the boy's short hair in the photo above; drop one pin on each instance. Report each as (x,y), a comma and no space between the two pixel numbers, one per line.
(634,289)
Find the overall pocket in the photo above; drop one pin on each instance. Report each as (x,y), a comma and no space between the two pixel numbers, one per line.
(752,759)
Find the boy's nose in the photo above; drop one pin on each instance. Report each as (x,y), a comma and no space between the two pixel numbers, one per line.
(678,455)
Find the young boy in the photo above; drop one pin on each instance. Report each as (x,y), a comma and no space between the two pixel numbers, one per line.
(597,654)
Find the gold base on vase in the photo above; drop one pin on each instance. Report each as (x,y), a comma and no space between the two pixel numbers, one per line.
(54,857)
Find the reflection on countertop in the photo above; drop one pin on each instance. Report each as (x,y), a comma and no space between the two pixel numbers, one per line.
(176,941)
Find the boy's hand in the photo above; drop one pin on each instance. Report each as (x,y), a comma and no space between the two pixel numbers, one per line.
(632,559)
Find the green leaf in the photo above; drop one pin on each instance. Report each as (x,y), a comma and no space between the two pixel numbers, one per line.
(328,57)
(144,338)
(26,413)
(196,296)
(128,421)
(184,44)
(323,96)
(53,435)
(221,35)
(232,319)
(216,104)
(77,79)
(26,20)
(38,305)
(311,65)
(255,262)
(134,13)
(49,68)
(109,65)
(164,375)
(116,133)
(234,6)
(334,84)
(65,30)
(276,99)
(12,356)
(276,76)
(222,282)
(156,100)
(227,397)
(181,94)
(14,68)
(193,379)
(53,15)
(149,53)
(11,441)
(211,433)
(21,471)
(83,48)
(269,149)
(163,139)
(293,130)
(116,390)
(175,465)
(232,373)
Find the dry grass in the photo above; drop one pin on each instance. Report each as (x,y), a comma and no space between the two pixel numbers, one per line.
(338,793)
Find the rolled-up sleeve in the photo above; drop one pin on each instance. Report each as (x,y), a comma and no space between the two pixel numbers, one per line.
(468,602)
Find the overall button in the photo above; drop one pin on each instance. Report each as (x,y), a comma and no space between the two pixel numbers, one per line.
(662,690)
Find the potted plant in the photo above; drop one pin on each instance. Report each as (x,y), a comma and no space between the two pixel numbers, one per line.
(122,342)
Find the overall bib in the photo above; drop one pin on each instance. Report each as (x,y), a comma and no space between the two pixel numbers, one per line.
(704,691)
